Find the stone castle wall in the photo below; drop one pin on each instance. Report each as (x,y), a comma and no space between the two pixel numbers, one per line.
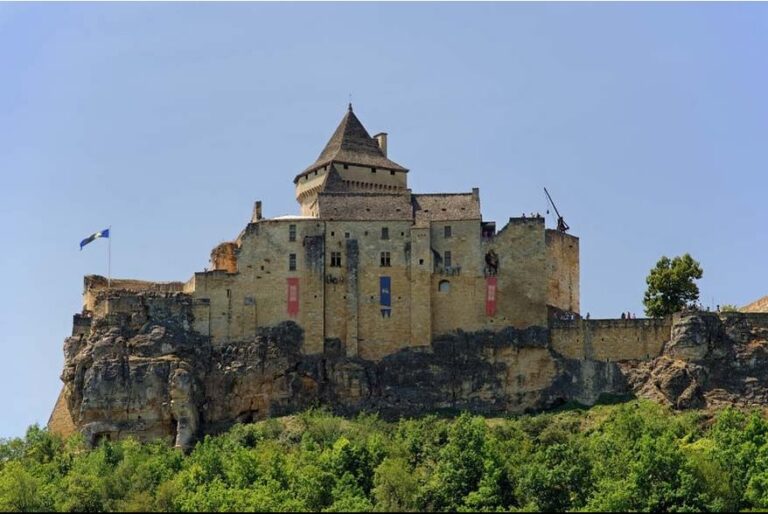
(338,273)
(610,339)
(562,271)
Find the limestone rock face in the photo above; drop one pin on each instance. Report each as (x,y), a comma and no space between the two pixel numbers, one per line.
(710,361)
(147,374)
(141,370)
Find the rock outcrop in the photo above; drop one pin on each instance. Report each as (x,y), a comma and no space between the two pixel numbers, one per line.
(711,360)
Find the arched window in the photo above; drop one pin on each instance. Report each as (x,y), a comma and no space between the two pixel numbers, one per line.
(444,286)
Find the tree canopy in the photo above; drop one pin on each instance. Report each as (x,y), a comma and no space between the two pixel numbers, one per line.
(671,285)
(636,456)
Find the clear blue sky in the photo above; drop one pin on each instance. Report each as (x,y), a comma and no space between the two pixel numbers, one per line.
(647,122)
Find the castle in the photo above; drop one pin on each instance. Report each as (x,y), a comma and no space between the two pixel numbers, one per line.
(375,298)
(373,266)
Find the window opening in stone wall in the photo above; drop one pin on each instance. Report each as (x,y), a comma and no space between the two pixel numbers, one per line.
(346,166)
(292,262)
(335,259)
(373,170)
(384,232)
(391,172)
(346,235)
(447,259)
(291,232)
(333,234)
(385,259)
(444,286)
(447,231)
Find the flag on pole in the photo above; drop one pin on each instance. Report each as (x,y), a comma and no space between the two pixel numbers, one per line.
(93,237)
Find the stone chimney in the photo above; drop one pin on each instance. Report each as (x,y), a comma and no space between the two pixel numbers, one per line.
(381,138)
(256,211)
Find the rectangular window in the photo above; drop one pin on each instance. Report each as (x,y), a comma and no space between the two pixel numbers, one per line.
(335,259)
(291,232)
(292,262)
(384,232)
(447,259)
(447,231)
(385,260)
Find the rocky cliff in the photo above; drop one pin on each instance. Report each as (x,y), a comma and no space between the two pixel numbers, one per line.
(711,360)
(141,370)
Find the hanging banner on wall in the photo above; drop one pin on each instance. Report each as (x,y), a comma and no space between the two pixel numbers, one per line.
(385,296)
(490,296)
(293,296)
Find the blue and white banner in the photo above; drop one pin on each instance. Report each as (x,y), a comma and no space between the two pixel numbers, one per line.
(385,296)
(93,237)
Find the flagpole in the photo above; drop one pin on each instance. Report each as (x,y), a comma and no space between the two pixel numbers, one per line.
(109,265)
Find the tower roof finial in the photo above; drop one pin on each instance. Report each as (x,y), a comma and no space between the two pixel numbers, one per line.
(350,107)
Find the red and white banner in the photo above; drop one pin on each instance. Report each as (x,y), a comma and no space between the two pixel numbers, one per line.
(293,296)
(490,296)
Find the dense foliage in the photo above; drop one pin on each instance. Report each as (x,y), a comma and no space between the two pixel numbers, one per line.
(634,456)
(672,286)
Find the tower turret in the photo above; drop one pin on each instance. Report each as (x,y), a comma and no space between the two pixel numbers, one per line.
(351,161)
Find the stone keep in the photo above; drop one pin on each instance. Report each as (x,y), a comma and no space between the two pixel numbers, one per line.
(374,267)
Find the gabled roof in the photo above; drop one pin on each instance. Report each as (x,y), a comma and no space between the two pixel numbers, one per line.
(333,181)
(351,144)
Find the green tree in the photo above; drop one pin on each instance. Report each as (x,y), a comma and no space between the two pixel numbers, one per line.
(18,489)
(395,486)
(671,285)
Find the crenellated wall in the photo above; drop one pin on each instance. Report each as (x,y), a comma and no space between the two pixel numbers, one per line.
(610,339)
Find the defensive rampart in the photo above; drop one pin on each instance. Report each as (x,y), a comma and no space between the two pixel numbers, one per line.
(610,339)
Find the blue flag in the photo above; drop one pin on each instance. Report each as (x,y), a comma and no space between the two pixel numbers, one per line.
(93,237)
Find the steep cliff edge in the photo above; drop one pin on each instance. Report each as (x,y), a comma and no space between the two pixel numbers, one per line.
(711,360)
(141,370)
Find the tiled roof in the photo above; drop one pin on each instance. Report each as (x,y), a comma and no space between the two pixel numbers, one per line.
(445,207)
(351,144)
(365,206)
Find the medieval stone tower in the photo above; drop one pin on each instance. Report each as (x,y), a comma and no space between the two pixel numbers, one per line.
(352,161)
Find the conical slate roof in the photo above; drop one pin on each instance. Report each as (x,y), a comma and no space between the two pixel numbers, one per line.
(351,144)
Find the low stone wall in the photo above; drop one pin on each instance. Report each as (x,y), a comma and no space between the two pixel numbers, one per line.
(610,339)
(95,287)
